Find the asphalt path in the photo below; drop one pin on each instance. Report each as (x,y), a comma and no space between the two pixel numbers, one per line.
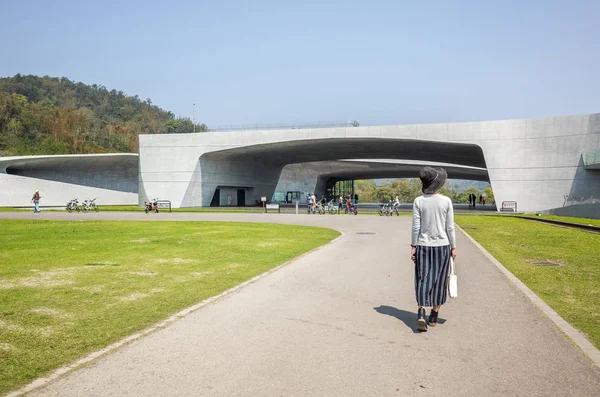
(341,321)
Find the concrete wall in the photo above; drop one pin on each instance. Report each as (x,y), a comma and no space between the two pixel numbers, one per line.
(535,162)
(110,178)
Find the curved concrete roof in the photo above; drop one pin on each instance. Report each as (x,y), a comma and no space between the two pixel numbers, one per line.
(302,151)
(112,171)
(353,169)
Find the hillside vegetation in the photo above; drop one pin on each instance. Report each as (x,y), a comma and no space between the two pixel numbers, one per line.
(49,115)
(408,189)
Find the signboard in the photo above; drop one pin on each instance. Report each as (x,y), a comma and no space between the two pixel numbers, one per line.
(509,206)
(263,199)
(163,204)
(272,206)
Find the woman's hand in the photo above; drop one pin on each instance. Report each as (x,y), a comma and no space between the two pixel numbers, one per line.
(413,254)
(453,253)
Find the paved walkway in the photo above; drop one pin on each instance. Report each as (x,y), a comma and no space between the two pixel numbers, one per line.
(341,322)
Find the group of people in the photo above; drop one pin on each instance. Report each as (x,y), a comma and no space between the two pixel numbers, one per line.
(473,200)
(311,202)
(349,202)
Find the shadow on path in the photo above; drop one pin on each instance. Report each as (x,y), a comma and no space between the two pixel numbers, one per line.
(408,318)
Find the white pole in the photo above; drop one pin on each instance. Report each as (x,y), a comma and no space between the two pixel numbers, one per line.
(194,118)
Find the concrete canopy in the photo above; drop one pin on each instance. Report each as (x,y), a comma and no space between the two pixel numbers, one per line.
(322,174)
(111,178)
(535,162)
(303,151)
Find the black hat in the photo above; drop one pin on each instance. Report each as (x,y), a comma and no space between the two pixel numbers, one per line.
(433,179)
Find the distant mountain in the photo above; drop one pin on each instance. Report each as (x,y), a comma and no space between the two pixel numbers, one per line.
(49,115)
(459,185)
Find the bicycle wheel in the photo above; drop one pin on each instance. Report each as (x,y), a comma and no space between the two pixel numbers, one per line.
(69,209)
(97,208)
(331,210)
(380,211)
(84,208)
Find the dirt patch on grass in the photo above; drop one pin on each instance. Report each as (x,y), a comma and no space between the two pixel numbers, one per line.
(144,273)
(54,278)
(235,265)
(181,260)
(138,295)
(268,244)
(94,289)
(46,311)
(201,274)
(133,297)
(5,346)
(208,232)
(10,327)
(175,260)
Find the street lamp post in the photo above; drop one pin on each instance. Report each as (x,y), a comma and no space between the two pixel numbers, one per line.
(194,118)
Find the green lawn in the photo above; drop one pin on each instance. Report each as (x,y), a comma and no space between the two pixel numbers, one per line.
(70,288)
(573,289)
(582,221)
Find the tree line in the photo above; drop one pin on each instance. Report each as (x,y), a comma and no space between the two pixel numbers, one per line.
(408,189)
(49,115)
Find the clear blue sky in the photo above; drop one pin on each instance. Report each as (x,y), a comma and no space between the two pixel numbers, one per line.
(379,62)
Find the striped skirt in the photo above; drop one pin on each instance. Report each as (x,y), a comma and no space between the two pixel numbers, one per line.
(431,275)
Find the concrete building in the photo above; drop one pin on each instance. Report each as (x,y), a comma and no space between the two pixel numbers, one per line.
(538,163)
(110,178)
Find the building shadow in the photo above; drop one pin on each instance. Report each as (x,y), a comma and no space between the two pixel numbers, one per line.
(408,318)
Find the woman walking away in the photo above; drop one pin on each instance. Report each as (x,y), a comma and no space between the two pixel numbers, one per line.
(433,243)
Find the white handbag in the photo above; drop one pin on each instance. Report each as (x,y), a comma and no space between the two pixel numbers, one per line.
(452,281)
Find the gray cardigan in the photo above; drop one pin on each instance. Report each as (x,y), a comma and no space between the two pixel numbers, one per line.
(433,221)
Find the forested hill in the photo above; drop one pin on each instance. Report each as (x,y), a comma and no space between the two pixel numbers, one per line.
(48,115)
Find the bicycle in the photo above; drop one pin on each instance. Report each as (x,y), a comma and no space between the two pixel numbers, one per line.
(89,205)
(319,208)
(351,209)
(331,207)
(73,205)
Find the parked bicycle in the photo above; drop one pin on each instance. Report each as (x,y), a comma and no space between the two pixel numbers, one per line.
(332,207)
(384,209)
(388,209)
(73,205)
(150,206)
(351,209)
(90,205)
(319,208)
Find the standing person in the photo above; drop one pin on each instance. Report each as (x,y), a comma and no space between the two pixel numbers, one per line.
(470,200)
(36,201)
(355,198)
(433,243)
(483,200)
(340,204)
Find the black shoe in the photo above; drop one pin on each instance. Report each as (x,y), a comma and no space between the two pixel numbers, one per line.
(433,318)
(421,323)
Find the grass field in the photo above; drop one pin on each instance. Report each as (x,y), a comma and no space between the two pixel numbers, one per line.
(69,288)
(582,221)
(572,289)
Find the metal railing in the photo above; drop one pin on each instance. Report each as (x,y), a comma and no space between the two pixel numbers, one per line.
(283,126)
